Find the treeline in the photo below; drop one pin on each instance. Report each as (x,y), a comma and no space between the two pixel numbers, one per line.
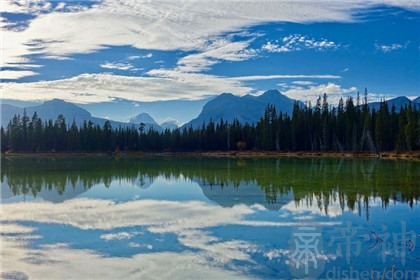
(329,180)
(347,127)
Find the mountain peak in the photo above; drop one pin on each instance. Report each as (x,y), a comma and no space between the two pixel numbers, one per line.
(226,94)
(56,100)
(401,99)
(245,109)
(143,118)
(271,92)
(169,124)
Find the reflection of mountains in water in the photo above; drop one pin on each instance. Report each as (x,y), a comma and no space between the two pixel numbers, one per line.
(268,182)
(51,192)
(55,195)
(248,193)
(143,182)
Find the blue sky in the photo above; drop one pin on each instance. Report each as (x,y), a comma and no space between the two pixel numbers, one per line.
(93,52)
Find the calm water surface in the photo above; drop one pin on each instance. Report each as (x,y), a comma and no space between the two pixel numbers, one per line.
(195,218)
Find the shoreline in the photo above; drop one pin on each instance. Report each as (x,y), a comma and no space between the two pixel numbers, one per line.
(232,154)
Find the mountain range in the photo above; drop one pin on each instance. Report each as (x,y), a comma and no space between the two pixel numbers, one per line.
(51,109)
(226,106)
(246,109)
(399,102)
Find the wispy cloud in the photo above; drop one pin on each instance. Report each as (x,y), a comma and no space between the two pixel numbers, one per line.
(218,50)
(312,92)
(158,25)
(303,83)
(59,260)
(198,28)
(118,235)
(25,6)
(298,42)
(15,75)
(133,57)
(391,47)
(119,66)
(56,57)
(270,77)
(158,85)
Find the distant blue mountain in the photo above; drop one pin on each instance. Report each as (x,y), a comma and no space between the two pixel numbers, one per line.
(181,110)
(48,110)
(247,193)
(122,109)
(143,118)
(51,109)
(148,121)
(8,112)
(246,109)
(399,102)
(171,125)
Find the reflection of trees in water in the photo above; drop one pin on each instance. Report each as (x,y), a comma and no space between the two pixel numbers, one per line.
(350,182)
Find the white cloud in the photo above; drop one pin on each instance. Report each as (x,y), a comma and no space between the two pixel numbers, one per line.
(132,57)
(303,83)
(56,57)
(118,66)
(170,120)
(14,75)
(145,25)
(15,228)
(298,42)
(270,77)
(156,25)
(219,49)
(25,6)
(199,27)
(312,92)
(117,236)
(59,262)
(390,48)
(272,47)
(91,88)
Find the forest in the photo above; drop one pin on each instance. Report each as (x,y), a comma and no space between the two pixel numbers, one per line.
(350,126)
(276,178)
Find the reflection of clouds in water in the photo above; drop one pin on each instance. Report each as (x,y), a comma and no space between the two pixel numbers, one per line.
(61,262)
(311,206)
(220,251)
(188,220)
(161,216)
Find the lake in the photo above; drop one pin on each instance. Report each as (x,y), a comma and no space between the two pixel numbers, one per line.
(209,218)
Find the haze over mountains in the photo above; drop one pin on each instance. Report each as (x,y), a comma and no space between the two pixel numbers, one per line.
(51,109)
(399,102)
(226,106)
